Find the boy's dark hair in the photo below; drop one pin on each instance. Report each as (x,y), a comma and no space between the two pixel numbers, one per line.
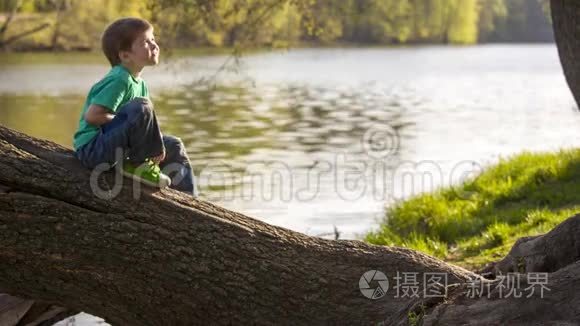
(120,35)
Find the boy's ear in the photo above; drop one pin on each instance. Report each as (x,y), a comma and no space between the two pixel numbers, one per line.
(123,55)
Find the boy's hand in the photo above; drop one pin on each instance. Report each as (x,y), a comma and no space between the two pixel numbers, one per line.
(160,158)
(98,115)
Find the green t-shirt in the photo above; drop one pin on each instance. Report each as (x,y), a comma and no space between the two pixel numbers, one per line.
(115,89)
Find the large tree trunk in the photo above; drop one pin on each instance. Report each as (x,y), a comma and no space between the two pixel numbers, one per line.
(166,259)
(566,17)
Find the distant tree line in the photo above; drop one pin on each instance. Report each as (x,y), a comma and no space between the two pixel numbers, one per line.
(77,24)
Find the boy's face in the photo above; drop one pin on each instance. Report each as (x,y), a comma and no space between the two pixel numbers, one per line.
(144,51)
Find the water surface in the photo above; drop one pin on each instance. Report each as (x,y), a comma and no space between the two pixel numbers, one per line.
(318,139)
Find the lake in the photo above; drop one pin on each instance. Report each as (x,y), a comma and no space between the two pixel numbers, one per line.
(322,140)
(314,139)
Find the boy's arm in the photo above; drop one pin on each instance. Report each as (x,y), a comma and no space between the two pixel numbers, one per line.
(98,115)
(106,101)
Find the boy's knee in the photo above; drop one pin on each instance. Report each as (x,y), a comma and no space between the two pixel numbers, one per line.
(173,142)
(174,146)
(139,105)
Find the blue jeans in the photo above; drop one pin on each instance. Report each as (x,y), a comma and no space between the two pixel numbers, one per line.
(134,134)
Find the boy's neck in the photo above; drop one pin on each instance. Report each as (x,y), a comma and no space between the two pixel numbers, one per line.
(135,71)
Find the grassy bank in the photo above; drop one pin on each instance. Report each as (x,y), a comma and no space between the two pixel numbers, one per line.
(478,221)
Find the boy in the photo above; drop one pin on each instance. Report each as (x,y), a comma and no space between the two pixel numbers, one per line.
(118,125)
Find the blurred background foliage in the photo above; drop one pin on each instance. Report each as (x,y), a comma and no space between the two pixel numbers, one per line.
(78,24)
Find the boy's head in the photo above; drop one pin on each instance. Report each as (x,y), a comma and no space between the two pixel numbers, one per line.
(130,41)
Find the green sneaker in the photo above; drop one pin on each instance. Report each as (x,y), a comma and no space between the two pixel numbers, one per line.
(148,173)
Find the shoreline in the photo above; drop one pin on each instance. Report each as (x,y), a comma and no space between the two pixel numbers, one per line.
(96,57)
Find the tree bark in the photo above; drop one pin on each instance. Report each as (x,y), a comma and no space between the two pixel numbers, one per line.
(566,18)
(559,305)
(556,252)
(158,257)
(543,253)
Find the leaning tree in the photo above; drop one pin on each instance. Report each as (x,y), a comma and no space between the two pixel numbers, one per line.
(566,20)
(141,256)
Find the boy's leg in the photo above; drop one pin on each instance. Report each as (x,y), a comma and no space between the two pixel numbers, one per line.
(177,166)
(133,132)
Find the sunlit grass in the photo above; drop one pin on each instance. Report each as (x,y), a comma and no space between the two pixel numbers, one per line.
(478,221)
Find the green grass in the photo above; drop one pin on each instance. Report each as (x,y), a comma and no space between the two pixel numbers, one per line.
(478,221)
